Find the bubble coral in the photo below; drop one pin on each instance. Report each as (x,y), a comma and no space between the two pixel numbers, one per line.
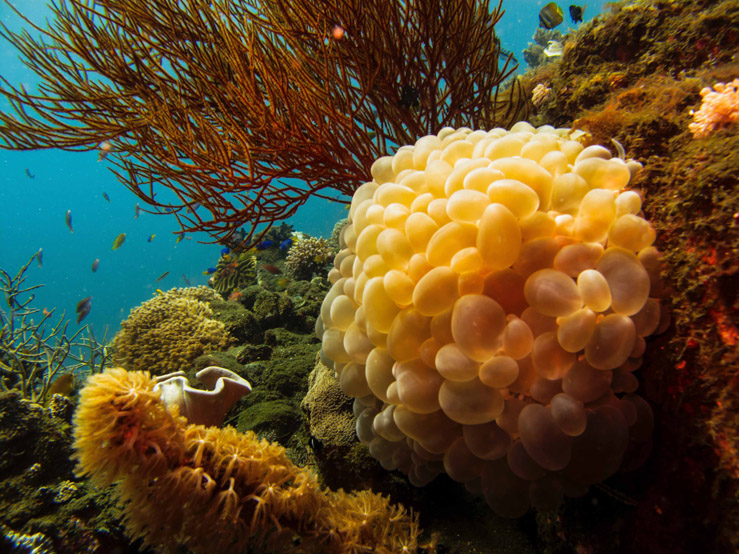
(168,331)
(307,256)
(488,309)
(216,490)
(720,108)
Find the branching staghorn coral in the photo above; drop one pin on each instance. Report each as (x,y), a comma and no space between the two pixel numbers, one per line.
(32,354)
(221,101)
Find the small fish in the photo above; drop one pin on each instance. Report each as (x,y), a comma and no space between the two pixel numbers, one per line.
(282,283)
(162,276)
(235,296)
(209,271)
(104,150)
(337,32)
(105,195)
(191,209)
(320,258)
(225,251)
(620,150)
(29,174)
(137,211)
(315,444)
(62,385)
(273,269)
(554,48)
(187,281)
(180,236)
(264,244)
(120,239)
(95,265)
(83,308)
(46,312)
(285,244)
(550,16)
(40,257)
(576,13)
(68,219)
(151,238)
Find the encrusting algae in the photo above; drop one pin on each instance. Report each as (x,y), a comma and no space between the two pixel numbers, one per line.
(217,490)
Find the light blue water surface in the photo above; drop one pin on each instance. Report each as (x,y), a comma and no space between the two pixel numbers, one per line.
(33,210)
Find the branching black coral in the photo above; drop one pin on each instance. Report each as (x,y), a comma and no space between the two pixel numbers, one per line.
(244,109)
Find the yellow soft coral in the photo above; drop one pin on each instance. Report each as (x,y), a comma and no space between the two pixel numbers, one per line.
(216,490)
(168,331)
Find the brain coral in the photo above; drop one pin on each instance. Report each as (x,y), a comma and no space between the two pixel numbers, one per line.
(168,331)
(488,309)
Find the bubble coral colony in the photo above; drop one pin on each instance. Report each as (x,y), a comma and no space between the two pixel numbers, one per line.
(488,309)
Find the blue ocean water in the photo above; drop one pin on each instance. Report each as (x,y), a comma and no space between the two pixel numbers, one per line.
(33,209)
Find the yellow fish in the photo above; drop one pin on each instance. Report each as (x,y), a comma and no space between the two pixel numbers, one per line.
(550,16)
(120,239)
(62,385)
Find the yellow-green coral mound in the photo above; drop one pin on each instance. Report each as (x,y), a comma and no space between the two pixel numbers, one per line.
(170,330)
(307,257)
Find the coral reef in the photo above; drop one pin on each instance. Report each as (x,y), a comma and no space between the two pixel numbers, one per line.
(40,499)
(168,331)
(488,311)
(639,40)
(215,489)
(636,75)
(307,257)
(719,108)
(534,54)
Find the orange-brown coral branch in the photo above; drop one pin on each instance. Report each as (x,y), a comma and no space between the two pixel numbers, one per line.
(230,113)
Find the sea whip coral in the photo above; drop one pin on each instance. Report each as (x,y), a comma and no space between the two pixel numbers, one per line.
(720,108)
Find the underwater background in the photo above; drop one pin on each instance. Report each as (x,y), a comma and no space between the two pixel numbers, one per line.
(34,208)
(655,83)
